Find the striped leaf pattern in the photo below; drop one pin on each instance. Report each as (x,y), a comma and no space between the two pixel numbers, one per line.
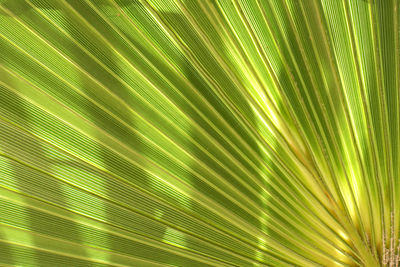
(199,133)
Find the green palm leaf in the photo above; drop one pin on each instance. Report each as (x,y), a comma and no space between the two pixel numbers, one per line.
(199,133)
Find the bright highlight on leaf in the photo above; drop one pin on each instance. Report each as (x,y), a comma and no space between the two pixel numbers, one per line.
(199,133)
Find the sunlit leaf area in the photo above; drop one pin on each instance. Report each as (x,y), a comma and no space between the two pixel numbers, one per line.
(199,133)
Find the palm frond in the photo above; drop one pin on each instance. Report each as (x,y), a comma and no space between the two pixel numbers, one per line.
(199,133)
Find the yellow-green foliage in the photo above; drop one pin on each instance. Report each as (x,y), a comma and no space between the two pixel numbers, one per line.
(199,132)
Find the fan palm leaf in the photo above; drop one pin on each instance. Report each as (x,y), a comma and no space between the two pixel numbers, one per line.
(199,133)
